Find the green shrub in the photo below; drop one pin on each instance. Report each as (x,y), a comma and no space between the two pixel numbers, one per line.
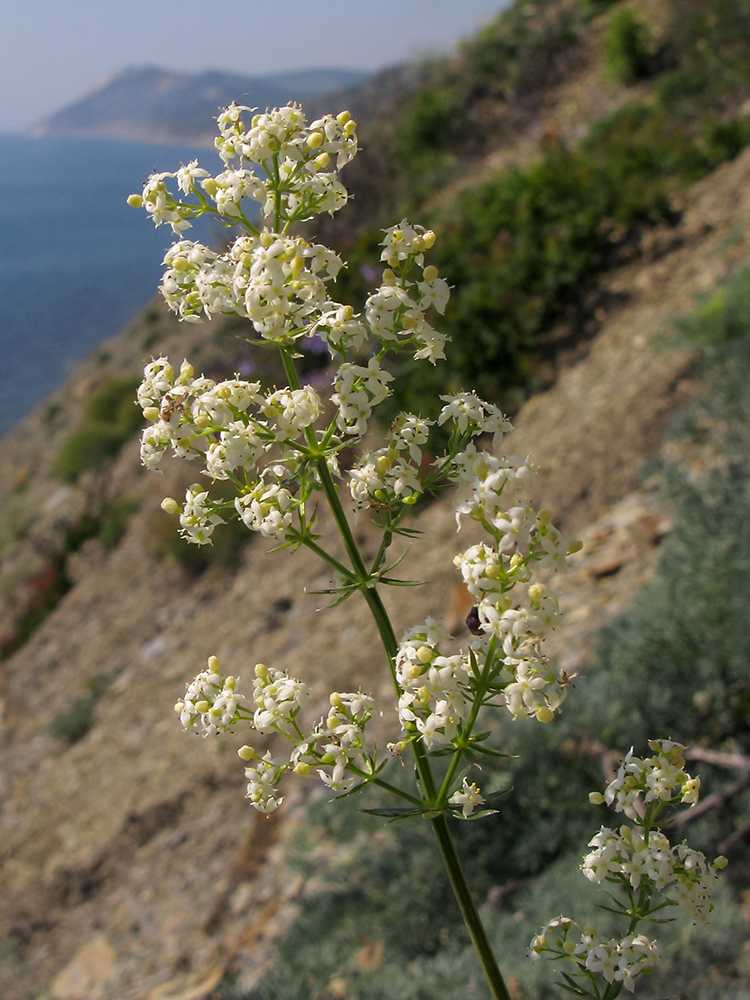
(111,418)
(722,316)
(73,724)
(593,8)
(114,403)
(629,53)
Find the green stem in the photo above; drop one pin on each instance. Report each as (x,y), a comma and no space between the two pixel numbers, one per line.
(468,909)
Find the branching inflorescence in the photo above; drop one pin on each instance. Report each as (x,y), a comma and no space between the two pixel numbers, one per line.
(280,451)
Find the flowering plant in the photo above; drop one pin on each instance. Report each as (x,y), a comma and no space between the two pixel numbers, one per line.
(280,450)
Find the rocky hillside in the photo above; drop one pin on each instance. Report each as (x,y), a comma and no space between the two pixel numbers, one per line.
(132,867)
(148,104)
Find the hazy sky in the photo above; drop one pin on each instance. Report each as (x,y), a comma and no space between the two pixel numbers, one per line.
(54,51)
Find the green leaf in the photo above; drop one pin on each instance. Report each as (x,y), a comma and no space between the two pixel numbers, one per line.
(393,814)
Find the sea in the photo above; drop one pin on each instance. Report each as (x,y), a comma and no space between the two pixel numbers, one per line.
(76,262)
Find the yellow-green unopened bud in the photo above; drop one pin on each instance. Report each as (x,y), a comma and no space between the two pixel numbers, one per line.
(343,117)
(335,699)
(210,186)
(261,671)
(213,664)
(302,768)
(720,862)
(322,161)
(410,501)
(569,947)
(536,592)
(202,420)
(315,140)
(170,505)
(151,413)
(430,272)
(596,798)
(428,239)
(135,200)
(425,654)
(202,706)
(246,753)
(544,714)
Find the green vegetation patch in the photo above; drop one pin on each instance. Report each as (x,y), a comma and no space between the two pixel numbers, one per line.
(111,418)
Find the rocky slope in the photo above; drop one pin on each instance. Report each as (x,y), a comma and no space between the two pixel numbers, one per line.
(148,104)
(132,866)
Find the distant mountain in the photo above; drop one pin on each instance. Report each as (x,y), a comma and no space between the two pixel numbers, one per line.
(150,104)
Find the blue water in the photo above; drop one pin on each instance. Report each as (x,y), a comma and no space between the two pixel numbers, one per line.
(76,262)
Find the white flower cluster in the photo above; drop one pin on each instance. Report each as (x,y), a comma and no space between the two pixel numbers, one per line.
(277,282)
(338,743)
(293,158)
(211,702)
(521,539)
(277,698)
(627,855)
(358,390)
(658,779)
(211,422)
(263,779)
(654,874)
(435,695)
(392,474)
(335,750)
(618,961)
(396,310)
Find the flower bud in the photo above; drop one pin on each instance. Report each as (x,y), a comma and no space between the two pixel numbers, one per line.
(202,706)
(315,140)
(246,753)
(151,413)
(544,714)
(430,273)
(213,664)
(302,768)
(428,239)
(135,200)
(720,862)
(210,186)
(343,117)
(596,798)
(170,505)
